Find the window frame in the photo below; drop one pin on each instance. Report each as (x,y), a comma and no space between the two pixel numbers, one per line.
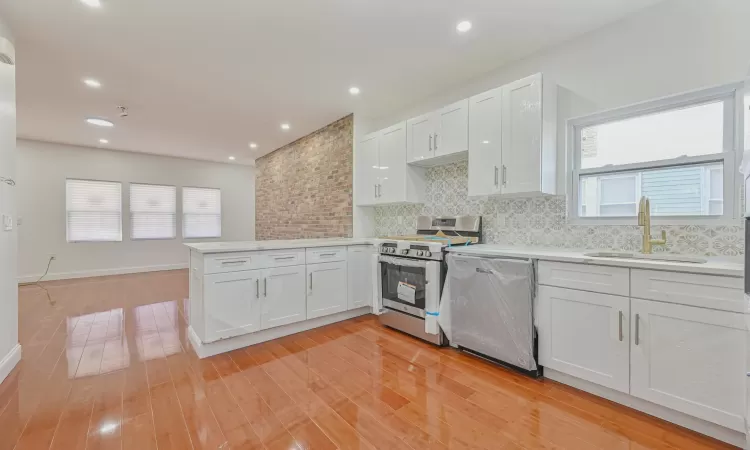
(67,212)
(732,95)
(182,213)
(130,211)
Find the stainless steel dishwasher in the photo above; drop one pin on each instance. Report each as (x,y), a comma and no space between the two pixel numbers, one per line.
(487,308)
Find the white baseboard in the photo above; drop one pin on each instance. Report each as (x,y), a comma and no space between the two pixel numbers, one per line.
(693,423)
(10,361)
(206,349)
(99,272)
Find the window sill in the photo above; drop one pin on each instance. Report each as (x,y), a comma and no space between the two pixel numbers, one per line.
(656,221)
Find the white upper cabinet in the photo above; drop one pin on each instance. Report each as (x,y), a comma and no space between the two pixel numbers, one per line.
(485,145)
(392,164)
(439,137)
(420,138)
(529,134)
(512,139)
(452,132)
(383,176)
(367,173)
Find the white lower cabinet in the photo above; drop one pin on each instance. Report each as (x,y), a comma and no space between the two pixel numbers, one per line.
(359,267)
(232,304)
(326,289)
(689,359)
(585,334)
(283,296)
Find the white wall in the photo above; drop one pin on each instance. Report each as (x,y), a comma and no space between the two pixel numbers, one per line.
(42,170)
(9,352)
(673,47)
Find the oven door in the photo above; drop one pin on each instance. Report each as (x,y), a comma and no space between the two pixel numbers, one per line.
(411,286)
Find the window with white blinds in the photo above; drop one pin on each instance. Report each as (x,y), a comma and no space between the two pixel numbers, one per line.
(201,212)
(153,211)
(94,210)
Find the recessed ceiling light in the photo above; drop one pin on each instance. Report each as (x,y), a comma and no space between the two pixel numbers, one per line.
(92,83)
(103,141)
(285,126)
(252,145)
(354,90)
(99,122)
(231,158)
(463,26)
(92,3)
(485,142)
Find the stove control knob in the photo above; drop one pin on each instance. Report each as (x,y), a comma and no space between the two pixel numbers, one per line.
(405,251)
(427,253)
(391,250)
(420,253)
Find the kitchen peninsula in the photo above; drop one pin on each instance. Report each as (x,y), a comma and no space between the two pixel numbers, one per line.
(244,293)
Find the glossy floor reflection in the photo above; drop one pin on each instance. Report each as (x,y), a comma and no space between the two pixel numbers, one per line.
(109,366)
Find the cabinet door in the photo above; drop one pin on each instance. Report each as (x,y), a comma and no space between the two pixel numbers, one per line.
(392,186)
(283,296)
(485,146)
(420,138)
(452,131)
(359,267)
(326,289)
(585,334)
(368,164)
(689,359)
(232,304)
(522,135)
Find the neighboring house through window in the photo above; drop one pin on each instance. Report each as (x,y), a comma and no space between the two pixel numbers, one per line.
(678,151)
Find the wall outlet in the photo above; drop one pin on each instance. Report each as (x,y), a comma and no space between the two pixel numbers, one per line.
(7,222)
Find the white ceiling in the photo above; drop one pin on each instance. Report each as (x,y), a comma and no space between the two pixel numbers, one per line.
(203,78)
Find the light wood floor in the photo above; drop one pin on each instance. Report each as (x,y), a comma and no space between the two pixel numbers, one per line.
(109,366)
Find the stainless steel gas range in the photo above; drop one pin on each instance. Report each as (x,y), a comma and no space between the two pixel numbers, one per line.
(411,273)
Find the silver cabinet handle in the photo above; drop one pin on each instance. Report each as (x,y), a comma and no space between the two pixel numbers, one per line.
(380,190)
(496,175)
(620,320)
(224,263)
(282,258)
(637,339)
(257,288)
(265,287)
(376,190)
(435,141)
(430,141)
(310,281)
(505,173)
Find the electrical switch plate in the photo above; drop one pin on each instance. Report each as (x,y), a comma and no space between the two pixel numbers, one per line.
(7,222)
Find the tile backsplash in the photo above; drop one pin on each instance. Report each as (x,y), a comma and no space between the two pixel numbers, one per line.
(541,221)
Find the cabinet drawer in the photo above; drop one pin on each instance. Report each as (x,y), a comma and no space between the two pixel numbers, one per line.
(325,254)
(283,258)
(705,291)
(231,262)
(585,277)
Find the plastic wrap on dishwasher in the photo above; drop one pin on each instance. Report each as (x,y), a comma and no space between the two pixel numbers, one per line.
(487,307)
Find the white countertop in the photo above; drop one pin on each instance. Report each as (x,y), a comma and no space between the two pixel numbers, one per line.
(248,246)
(731,267)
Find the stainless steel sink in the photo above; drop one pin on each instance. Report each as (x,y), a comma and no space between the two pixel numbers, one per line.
(673,258)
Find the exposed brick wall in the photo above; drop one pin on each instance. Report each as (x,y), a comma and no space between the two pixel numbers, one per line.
(304,189)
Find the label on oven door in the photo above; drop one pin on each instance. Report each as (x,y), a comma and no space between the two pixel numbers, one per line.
(406,292)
